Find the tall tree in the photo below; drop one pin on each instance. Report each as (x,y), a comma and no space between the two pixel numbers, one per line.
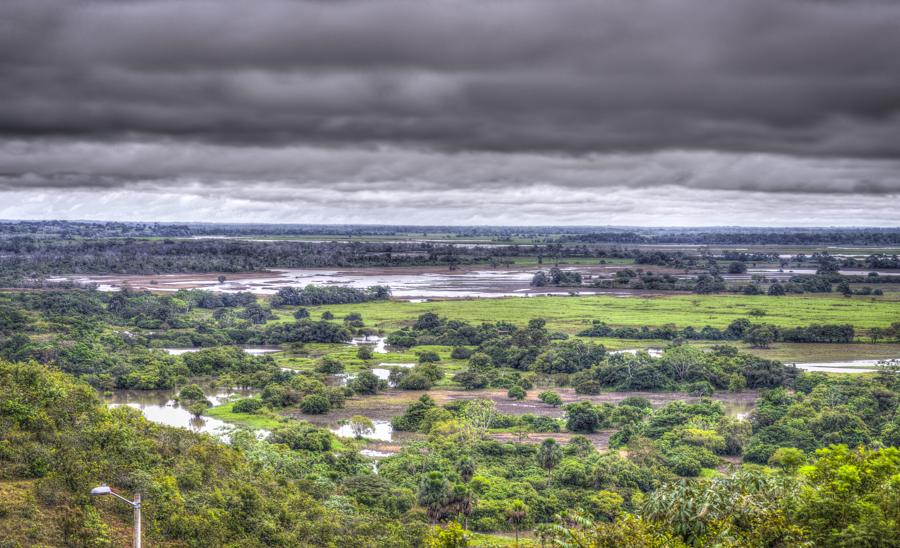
(516,513)
(434,494)
(549,456)
(463,500)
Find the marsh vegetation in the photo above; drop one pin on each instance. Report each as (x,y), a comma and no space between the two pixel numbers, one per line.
(390,420)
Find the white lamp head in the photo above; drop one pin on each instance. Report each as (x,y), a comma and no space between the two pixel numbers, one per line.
(102,490)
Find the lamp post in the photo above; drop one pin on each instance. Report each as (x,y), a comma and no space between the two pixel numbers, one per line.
(135,504)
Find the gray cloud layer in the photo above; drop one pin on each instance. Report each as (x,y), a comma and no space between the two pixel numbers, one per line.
(299,100)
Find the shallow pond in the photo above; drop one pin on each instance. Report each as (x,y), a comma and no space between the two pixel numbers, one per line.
(374,454)
(411,285)
(654,352)
(378,344)
(738,409)
(786,273)
(252,350)
(851,366)
(383,372)
(382,431)
(159,406)
(473,283)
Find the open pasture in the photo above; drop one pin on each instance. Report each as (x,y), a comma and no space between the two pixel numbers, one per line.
(572,314)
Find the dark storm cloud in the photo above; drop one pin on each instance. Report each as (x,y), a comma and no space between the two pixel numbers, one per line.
(469,111)
(576,76)
(61,164)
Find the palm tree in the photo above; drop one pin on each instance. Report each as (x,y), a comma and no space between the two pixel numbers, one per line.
(543,532)
(466,468)
(463,500)
(548,456)
(434,494)
(517,512)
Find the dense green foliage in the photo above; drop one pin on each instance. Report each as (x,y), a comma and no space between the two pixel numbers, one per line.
(736,330)
(682,367)
(313,295)
(113,339)
(819,451)
(198,491)
(823,411)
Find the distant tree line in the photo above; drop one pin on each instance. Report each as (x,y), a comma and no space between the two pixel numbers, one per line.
(700,236)
(736,330)
(749,236)
(26,260)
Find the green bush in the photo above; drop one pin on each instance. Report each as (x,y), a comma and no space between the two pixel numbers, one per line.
(516,393)
(191,393)
(637,401)
(247,405)
(572,473)
(415,381)
(736,383)
(315,404)
(550,398)
(460,353)
(366,383)
(687,460)
(583,417)
(429,356)
(470,380)
(541,424)
(330,365)
(302,436)
(701,388)
(431,370)
(787,458)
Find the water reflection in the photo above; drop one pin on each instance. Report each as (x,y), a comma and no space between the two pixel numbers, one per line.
(654,352)
(252,350)
(382,431)
(372,453)
(787,273)
(378,344)
(383,373)
(415,285)
(739,409)
(159,406)
(850,366)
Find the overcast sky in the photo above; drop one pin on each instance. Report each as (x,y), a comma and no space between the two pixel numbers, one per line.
(626,112)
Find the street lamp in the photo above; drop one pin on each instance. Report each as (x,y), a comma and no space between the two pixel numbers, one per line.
(136,504)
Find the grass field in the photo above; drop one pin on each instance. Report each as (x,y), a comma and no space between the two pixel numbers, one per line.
(572,314)
(256,421)
(781,351)
(815,353)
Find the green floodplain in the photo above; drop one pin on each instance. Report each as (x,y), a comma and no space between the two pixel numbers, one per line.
(641,418)
(572,314)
